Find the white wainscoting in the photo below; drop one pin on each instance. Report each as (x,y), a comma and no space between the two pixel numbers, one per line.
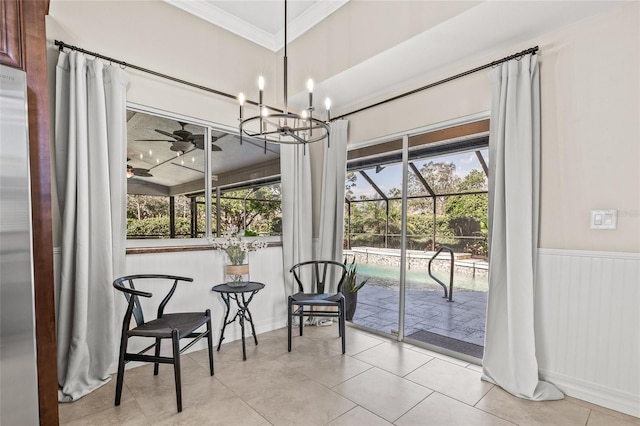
(268,307)
(588,325)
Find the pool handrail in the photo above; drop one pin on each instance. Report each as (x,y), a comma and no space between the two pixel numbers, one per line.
(450,292)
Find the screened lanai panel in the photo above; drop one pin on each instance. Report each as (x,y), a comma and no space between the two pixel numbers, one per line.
(255,208)
(450,174)
(373,207)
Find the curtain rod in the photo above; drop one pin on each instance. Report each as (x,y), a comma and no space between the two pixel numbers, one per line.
(531,50)
(62,45)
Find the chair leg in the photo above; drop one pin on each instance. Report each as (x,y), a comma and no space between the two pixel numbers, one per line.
(342,327)
(157,353)
(120,378)
(210,341)
(301,322)
(176,368)
(289,320)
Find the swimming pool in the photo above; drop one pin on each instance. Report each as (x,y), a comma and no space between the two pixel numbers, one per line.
(386,276)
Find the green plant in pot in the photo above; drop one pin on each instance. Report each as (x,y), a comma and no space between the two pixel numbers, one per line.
(350,288)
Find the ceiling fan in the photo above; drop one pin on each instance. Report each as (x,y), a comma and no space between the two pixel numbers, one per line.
(183,140)
(137,171)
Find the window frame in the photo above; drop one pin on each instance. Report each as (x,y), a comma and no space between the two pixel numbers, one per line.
(208,239)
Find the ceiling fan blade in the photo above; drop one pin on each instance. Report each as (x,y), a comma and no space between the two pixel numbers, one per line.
(215,148)
(154,140)
(197,137)
(171,135)
(198,143)
(140,172)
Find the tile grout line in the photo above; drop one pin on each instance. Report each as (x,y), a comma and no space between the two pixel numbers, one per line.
(415,405)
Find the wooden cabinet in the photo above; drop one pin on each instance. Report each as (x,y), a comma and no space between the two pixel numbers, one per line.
(23,46)
(11,33)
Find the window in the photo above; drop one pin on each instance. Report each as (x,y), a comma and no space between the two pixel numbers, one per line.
(168,175)
(446,191)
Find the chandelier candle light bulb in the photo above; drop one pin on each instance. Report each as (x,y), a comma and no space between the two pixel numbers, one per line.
(327,105)
(241,99)
(310,88)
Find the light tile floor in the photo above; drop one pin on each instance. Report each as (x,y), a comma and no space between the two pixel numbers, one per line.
(378,382)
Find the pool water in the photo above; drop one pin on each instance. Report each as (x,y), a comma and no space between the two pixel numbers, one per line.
(387,276)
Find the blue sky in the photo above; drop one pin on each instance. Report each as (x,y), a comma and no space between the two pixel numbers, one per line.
(391,176)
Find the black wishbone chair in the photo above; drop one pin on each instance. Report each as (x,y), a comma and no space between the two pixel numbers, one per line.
(320,271)
(174,326)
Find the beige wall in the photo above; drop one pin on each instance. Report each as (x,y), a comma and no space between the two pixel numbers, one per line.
(158,36)
(590,89)
(589,73)
(591,132)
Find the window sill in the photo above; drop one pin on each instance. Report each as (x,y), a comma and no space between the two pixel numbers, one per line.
(182,248)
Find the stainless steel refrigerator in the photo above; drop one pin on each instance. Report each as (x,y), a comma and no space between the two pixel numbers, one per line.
(18,371)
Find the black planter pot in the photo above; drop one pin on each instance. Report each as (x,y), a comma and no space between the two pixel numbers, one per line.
(350,302)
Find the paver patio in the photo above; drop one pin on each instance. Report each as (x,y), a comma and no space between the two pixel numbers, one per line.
(425,310)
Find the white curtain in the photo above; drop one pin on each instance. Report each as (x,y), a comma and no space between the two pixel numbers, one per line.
(90,163)
(297,239)
(514,153)
(332,196)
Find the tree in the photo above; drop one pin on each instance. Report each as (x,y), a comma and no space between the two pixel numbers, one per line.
(257,209)
(467,213)
(148,215)
(350,182)
(441,178)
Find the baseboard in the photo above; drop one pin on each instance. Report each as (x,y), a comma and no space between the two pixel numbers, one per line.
(596,394)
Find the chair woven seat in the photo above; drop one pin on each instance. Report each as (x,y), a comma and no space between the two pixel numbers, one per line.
(185,323)
(315,298)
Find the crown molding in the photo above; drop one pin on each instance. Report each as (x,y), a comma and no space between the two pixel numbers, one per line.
(274,42)
(307,20)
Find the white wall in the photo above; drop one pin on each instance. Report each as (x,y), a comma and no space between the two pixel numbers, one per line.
(206,268)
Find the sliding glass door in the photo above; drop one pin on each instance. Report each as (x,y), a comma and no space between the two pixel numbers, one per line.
(446,279)
(444,251)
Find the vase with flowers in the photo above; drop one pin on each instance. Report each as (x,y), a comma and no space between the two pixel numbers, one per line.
(236,250)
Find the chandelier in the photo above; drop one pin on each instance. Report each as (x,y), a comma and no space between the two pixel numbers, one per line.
(284,127)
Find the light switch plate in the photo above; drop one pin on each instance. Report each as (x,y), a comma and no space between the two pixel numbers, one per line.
(604,219)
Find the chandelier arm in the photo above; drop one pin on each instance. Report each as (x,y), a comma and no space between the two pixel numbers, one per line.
(316,126)
(247,132)
(297,138)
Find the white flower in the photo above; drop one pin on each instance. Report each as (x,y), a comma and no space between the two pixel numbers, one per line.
(235,247)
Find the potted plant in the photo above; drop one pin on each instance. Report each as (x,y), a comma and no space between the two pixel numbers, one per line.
(350,288)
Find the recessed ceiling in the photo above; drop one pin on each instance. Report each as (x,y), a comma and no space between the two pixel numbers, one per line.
(490,26)
(262,22)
